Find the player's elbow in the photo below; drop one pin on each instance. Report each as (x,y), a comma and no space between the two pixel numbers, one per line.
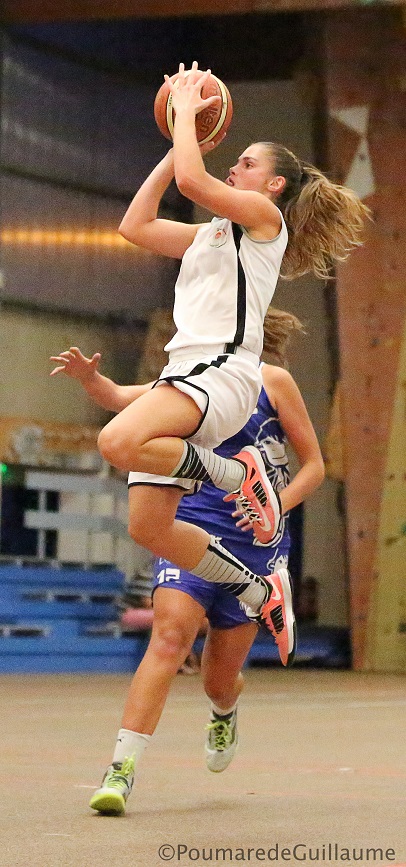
(126,231)
(320,471)
(133,232)
(188,185)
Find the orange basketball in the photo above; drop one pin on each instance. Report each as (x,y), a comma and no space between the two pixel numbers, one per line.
(210,123)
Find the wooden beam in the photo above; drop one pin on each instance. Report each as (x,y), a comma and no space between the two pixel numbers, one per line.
(48,11)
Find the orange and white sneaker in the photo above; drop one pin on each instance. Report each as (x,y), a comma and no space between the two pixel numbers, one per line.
(256,498)
(276,614)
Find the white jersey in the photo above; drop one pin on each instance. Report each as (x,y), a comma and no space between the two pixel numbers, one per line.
(225,285)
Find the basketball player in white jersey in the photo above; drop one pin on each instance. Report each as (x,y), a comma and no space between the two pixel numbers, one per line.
(270,208)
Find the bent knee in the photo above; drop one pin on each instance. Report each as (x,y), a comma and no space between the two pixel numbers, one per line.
(115,449)
(219,688)
(108,444)
(171,643)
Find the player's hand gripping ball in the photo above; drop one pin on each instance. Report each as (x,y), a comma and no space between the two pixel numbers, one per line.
(211,123)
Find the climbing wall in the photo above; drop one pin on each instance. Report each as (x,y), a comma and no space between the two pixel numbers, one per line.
(365,92)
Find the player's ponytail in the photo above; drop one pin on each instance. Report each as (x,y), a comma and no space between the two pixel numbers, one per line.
(325,221)
(278,329)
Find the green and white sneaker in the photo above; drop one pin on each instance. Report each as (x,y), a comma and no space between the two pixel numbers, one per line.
(115,788)
(222,741)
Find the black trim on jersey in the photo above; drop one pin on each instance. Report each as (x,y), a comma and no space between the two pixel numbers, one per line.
(186,491)
(196,371)
(171,379)
(200,368)
(241,296)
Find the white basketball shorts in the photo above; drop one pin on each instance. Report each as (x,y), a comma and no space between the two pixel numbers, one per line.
(225,388)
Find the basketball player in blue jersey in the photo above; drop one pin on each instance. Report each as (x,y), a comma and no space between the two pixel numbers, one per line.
(272,214)
(181,599)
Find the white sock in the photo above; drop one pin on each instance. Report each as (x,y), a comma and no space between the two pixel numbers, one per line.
(129,744)
(219,566)
(204,465)
(220,711)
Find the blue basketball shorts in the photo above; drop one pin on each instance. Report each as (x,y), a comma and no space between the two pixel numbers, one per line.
(223,610)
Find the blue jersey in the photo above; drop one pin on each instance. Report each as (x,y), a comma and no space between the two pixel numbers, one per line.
(207,508)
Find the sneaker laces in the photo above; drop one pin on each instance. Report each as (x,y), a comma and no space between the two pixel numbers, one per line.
(247,508)
(222,733)
(120,775)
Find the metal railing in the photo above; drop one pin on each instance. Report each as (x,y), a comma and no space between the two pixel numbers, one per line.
(89,505)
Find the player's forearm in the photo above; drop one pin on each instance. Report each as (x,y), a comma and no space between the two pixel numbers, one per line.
(306,480)
(103,391)
(145,204)
(109,394)
(188,162)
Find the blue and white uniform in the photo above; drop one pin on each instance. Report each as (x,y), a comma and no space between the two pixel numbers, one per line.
(208,510)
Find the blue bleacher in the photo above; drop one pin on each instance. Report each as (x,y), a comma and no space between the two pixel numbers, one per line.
(63,620)
(317,646)
(61,576)
(327,646)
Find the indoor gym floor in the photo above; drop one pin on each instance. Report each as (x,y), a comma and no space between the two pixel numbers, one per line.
(322,760)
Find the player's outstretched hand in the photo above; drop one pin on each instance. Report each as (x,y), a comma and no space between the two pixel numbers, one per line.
(75,364)
(244,523)
(186,91)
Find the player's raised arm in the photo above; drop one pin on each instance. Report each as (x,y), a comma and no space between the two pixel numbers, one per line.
(102,390)
(141,225)
(245,203)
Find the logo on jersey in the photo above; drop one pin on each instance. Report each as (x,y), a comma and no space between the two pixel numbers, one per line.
(218,238)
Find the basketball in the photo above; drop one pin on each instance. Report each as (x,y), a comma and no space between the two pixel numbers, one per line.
(211,122)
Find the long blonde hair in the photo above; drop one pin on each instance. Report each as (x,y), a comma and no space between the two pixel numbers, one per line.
(278,329)
(324,220)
